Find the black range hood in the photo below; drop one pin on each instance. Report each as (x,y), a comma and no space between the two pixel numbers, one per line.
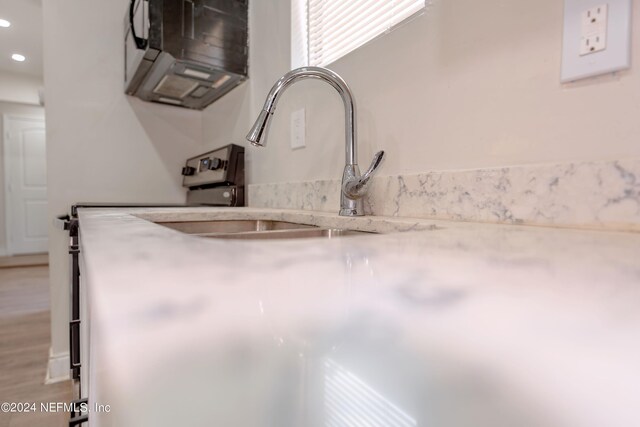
(186,53)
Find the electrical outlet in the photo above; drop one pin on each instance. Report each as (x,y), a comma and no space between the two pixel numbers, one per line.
(593,37)
(596,38)
(592,44)
(298,131)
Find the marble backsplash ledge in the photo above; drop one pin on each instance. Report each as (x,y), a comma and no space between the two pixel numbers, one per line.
(584,194)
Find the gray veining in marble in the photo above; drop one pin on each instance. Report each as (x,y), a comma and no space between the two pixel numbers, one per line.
(585,195)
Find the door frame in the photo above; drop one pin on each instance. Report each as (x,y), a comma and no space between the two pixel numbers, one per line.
(6,118)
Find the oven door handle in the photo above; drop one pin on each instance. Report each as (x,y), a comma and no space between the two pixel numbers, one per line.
(74,341)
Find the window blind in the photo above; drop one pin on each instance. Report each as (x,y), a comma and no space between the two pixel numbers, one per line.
(336,27)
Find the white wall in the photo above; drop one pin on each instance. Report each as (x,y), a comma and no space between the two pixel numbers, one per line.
(13,109)
(102,145)
(19,88)
(469,84)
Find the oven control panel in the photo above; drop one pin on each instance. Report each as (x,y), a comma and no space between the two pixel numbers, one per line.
(224,165)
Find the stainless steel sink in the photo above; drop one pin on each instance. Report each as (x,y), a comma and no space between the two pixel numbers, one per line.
(256,229)
(327,233)
(233,226)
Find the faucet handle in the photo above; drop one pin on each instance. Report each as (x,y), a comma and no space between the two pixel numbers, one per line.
(357,187)
(375,164)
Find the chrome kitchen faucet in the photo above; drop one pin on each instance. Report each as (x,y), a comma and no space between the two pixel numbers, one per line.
(354,185)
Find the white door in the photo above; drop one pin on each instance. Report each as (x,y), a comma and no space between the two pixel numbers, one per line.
(25,185)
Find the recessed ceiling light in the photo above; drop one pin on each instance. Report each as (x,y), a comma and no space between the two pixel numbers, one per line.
(4,23)
(18,57)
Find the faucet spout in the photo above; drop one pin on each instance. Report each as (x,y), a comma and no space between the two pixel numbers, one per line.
(261,126)
(354,186)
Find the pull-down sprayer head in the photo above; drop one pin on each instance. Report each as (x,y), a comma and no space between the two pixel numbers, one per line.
(258,134)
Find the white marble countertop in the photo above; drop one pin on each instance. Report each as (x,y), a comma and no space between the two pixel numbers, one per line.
(448,324)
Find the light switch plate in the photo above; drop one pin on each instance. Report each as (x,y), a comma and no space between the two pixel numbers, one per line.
(596,39)
(298,131)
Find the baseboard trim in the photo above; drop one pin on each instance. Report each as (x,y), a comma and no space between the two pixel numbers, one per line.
(57,368)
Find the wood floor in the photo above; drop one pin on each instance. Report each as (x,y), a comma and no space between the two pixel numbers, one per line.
(24,348)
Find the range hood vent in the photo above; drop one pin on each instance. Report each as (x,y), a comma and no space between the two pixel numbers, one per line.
(187,53)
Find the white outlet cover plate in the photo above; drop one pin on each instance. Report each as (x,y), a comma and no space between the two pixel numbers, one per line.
(298,131)
(617,54)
